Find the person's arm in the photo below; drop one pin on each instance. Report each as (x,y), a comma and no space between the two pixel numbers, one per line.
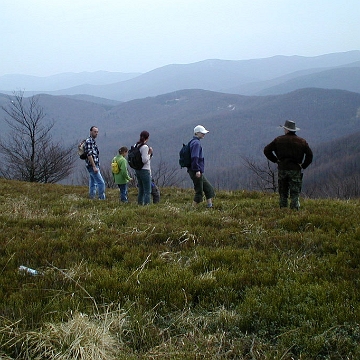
(269,152)
(146,153)
(308,157)
(123,169)
(195,154)
(92,163)
(89,151)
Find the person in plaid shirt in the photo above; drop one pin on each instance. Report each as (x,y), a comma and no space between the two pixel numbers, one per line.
(96,181)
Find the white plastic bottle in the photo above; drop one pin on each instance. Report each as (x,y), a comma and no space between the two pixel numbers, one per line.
(28,270)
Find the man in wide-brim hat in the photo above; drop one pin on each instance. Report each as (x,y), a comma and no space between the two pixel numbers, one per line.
(292,154)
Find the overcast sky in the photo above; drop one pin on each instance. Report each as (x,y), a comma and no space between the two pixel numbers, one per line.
(46,37)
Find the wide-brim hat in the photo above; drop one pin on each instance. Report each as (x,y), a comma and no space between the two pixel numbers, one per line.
(290,125)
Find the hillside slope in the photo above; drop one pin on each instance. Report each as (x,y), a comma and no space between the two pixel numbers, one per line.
(346,78)
(335,172)
(240,126)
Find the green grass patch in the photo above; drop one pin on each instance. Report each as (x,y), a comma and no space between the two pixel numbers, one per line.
(244,280)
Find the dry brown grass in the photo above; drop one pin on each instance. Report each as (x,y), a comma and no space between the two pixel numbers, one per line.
(78,338)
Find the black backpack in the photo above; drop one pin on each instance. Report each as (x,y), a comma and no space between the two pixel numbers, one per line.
(134,157)
(185,155)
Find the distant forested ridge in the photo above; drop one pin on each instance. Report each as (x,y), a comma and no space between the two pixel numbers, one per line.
(240,126)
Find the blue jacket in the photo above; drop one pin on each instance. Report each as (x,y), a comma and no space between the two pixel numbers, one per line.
(197,157)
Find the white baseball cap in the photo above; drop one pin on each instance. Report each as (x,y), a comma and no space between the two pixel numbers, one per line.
(200,129)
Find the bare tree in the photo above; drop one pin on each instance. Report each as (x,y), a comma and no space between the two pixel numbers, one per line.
(265,174)
(29,153)
(108,177)
(164,176)
(336,186)
(82,177)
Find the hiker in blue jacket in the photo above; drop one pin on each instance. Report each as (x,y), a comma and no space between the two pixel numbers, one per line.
(196,170)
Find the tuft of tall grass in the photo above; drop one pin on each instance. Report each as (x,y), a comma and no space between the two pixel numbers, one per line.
(77,338)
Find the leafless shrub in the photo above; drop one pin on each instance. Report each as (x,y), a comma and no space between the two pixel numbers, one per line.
(265,174)
(29,153)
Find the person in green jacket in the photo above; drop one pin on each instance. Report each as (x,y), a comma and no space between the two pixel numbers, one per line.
(122,177)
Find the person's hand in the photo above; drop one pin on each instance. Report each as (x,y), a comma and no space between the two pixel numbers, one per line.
(150,150)
(198,174)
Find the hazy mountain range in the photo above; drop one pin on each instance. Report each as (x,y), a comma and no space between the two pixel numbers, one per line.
(240,125)
(275,75)
(13,82)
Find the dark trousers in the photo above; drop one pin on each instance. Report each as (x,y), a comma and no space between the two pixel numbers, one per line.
(155,193)
(290,182)
(201,186)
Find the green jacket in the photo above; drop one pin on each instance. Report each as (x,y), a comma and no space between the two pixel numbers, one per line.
(123,176)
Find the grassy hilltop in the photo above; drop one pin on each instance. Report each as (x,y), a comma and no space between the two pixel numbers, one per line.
(244,280)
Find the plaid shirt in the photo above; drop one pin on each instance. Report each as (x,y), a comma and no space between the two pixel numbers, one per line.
(92,149)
